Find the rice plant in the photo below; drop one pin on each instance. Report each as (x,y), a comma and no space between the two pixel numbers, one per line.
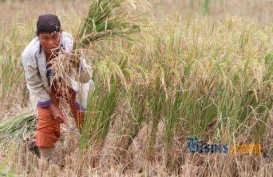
(183,77)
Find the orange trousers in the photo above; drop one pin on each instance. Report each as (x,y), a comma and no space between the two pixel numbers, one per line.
(48,129)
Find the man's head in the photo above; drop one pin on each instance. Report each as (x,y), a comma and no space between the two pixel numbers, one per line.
(48,32)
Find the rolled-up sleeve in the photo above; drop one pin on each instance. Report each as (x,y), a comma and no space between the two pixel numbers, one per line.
(84,72)
(38,93)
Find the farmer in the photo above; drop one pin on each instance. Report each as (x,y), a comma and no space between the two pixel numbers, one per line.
(50,42)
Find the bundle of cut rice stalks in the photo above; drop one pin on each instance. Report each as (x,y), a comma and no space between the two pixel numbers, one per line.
(18,128)
(105,19)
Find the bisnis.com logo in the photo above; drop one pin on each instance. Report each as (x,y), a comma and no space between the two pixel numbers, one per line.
(195,145)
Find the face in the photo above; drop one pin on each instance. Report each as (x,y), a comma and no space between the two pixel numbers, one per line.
(50,41)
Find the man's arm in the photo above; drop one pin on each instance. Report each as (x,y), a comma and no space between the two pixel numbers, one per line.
(37,90)
(84,71)
(34,82)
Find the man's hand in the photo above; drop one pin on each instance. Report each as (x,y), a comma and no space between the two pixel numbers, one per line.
(75,59)
(57,114)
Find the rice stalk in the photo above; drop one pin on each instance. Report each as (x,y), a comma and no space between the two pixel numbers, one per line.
(17,128)
(110,18)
